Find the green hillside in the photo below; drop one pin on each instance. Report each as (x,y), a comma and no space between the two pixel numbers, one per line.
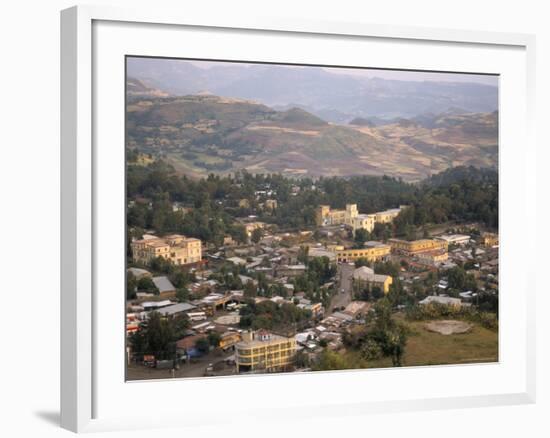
(200,134)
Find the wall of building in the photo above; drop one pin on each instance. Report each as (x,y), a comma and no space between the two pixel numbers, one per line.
(371,254)
(179,249)
(416,246)
(270,355)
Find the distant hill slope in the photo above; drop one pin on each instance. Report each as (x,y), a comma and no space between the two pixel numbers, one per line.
(200,134)
(361,121)
(334,97)
(136,88)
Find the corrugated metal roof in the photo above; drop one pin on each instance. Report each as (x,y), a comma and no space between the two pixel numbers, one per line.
(163,284)
(176,308)
(138,272)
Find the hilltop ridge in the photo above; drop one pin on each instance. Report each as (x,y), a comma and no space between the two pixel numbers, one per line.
(205,133)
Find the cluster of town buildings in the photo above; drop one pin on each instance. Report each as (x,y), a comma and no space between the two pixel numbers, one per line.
(261,350)
(277,256)
(431,251)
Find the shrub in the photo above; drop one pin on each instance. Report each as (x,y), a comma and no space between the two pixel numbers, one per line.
(371,350)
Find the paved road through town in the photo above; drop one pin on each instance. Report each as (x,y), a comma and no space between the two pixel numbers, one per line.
(194,369)
(344,292)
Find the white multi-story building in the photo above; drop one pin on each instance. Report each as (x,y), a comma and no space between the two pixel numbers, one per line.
(350,216)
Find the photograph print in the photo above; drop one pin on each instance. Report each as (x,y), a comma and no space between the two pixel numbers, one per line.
(301,218)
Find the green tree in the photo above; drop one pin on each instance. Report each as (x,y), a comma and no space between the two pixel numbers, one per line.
(180,279)
(156,337)
(361,236)
(301,360)
(362,261)
(371,350)
(250,289)
(418,290)
(180,324)
(131,285)
(238,233)
(257,235)
(387,268)
(202,345)
(389,334)
(330,360)
(182,294)
(459,279)
(376,293)
(397,295)
(214,339)
(395,343)
(145,284)
(303,255)
(262,322)
(160,264)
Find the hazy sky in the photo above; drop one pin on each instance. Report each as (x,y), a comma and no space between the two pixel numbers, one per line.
(399,75)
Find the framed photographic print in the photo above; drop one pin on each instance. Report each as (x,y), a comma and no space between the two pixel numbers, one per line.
(258,209)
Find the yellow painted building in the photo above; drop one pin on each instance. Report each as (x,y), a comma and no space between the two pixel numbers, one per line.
(228,241)
(264,351)
(179,249)
(365,275)
(316,309)
(387,216)
(244,203)
(490,239)
(373,251)
(251,226)
(433,257)
(229,339)
(363,221)
(417,246)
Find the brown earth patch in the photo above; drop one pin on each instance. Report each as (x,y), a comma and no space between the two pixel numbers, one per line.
(448,327)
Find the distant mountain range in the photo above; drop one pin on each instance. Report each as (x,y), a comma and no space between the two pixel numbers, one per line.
(333,97)
(136,88)
(204,133)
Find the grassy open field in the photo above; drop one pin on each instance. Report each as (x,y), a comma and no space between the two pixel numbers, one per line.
(429,348)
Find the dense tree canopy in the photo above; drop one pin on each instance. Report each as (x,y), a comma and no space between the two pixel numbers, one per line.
(211,204)
(270,315)
(158,336)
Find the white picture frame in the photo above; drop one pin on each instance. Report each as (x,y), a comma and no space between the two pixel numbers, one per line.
(85,385)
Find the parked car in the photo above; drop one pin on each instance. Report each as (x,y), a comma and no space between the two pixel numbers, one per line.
(149,360)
